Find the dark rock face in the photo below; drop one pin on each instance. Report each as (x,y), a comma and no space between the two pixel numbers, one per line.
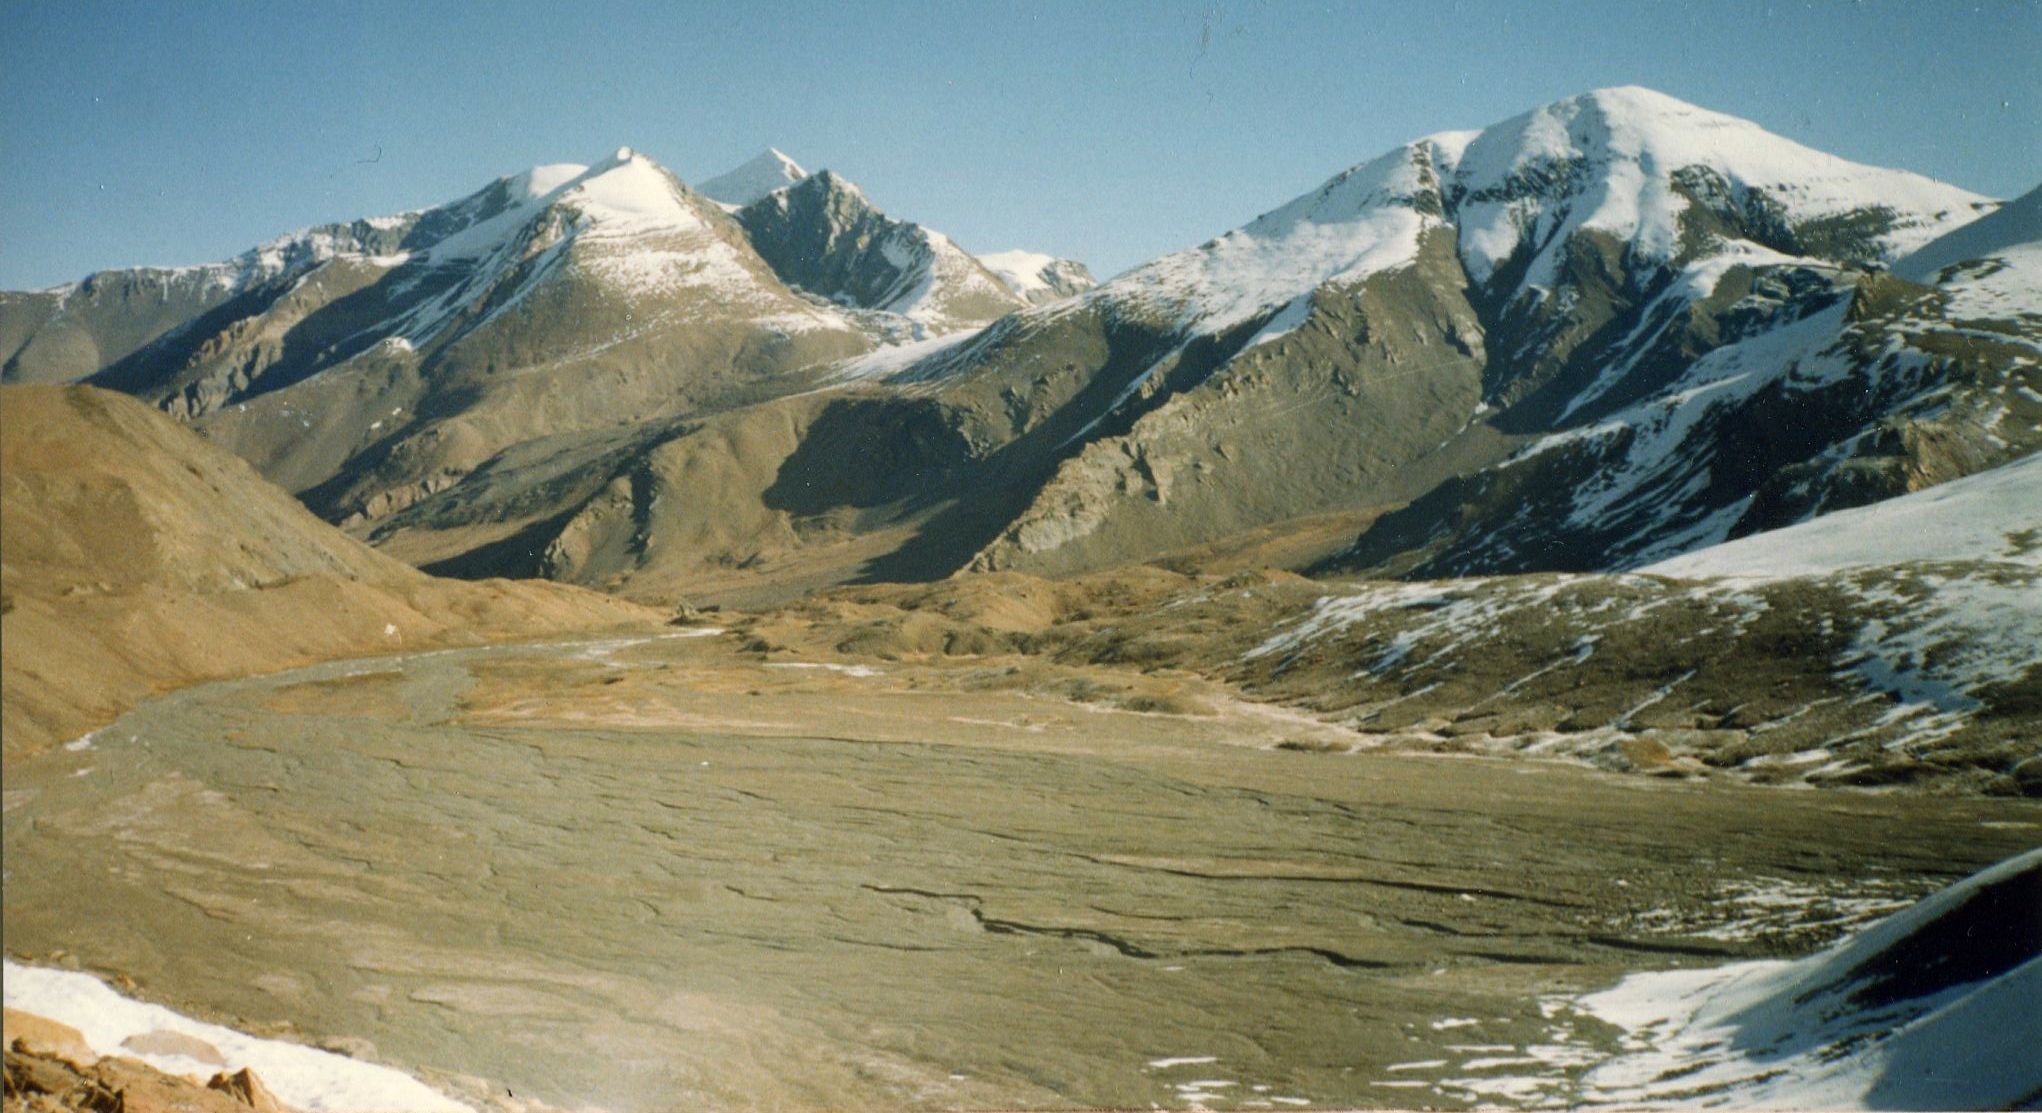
(823,236)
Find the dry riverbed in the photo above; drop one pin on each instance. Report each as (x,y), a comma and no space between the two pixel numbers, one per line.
(668,873)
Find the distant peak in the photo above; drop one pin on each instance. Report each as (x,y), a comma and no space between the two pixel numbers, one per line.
(758,176)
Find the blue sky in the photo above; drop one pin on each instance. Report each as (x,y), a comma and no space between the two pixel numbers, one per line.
(182,133)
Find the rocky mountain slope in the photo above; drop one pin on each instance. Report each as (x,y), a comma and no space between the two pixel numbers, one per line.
(367,365)
(1424,314)
(362,376)
(1598,334)
(1468,302)
(1872,385)
(1890,645)
(134,557)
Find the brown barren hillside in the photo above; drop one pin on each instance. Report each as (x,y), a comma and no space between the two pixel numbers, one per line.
(136,558)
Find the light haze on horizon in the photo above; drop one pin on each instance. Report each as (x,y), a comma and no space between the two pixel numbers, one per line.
(188,134)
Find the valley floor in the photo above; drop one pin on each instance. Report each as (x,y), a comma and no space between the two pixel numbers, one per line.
(668,872)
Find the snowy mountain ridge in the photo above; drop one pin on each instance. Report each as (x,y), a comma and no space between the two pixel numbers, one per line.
(1617,273)
(625,223)
(387,240)
(764,173)
(2003,251)
(618,222)
(1591,336)
(375,237)
(1631,164)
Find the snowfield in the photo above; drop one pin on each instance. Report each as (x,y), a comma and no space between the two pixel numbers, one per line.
(2011,237)
(1994,515)
(301,1077)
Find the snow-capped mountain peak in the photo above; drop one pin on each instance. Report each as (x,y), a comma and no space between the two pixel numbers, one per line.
(1632,163)
(624,194)
(622,231)
(1667,181)
(630,188)
(765,172)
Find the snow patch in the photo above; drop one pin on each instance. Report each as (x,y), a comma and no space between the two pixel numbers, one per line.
(847,670)
(1993,515)
(1933,1008)
(1022,271)
(888,361)
(301,1077)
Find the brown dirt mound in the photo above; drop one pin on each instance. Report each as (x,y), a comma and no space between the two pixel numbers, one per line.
(136,558)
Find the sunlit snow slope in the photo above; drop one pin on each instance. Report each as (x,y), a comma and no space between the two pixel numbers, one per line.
(1935,1007)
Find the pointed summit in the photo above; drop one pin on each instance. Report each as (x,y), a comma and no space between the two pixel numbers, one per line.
(825,236)
(766,172)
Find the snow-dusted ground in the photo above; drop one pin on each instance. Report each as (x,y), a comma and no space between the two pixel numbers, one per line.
(829,666)
(2018,223)
(885,362)
(1938,633)
(1936,1007)
(1941,590)
(1994,515)
(1456,613)
(1756,908)
(301,1077)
